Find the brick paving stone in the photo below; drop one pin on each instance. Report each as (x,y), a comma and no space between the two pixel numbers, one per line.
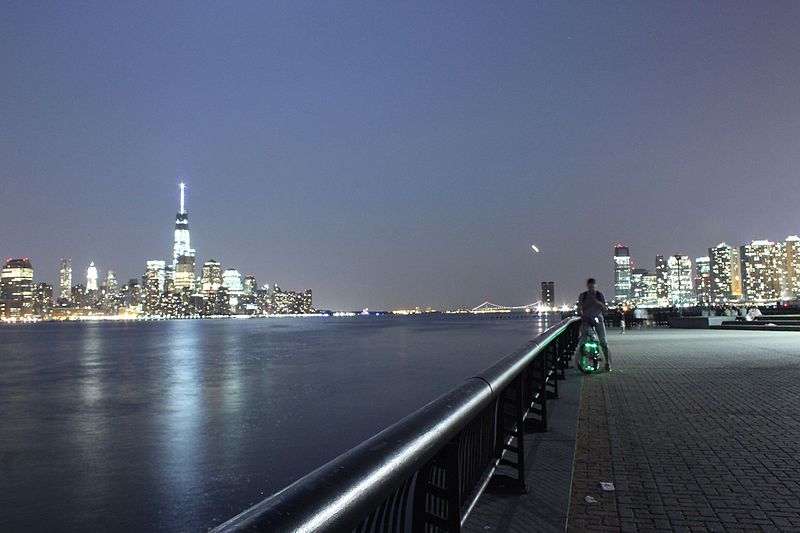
(698,429)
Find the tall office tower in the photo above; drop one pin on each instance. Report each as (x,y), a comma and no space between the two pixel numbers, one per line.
(761,271)
(184,274)
(91,278)
(16,288)
(662,285)
(182,246)
(211,276)
(679,281)
(42,299)
(232,280)
(702,280)
(622,273)
(249,285)
(153,286)
(65,285)
(548,293)
(157,269)
(792,245)
(182,252)
(111,282)
(638,276)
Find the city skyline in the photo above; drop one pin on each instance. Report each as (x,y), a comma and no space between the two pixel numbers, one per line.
(394,156)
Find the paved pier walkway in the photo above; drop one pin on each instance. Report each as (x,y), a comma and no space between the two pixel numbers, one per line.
(698,430)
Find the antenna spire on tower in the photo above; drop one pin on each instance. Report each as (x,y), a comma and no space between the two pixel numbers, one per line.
(183,186)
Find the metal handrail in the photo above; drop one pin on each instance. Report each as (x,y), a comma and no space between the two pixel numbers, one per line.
(341,494)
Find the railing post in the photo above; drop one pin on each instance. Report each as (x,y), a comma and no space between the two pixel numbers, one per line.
(437,496)
(551,360)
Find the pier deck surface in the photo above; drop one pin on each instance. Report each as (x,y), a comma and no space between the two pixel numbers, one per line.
(699,430)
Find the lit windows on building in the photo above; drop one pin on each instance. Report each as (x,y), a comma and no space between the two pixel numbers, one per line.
(622,273)
(702,280)
(184,274)
(662,285)
(250,285)
(792,245)
(16,288)
(548,293)
(761,271)
(679,281)
(43,300)
(91,278)
(724,269)
(232,280)
(65,278)
(211,276)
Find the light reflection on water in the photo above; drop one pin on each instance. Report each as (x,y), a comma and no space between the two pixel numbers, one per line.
(176,426)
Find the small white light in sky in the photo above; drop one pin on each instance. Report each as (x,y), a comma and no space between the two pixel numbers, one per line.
(535,249)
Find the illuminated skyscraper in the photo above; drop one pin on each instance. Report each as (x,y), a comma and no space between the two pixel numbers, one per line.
(91,278)
(638,286)
(182,251)
(761,271)
(249,286)
(111,282)
(679,281)
(662,288)
(153,286)
(65,285)
(232,280)
(157,270)
(211,276)
(16,288)
(725,274)
(42,299)
(548,293)
(702,280)
(792,244)
(182,246)
(622,273)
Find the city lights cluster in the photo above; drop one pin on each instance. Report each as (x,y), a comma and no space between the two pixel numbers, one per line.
(171,290)
(762,272)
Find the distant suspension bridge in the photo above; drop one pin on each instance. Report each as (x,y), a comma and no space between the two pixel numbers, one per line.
(488,307)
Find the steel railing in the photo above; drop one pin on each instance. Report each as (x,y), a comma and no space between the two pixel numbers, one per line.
(426,472)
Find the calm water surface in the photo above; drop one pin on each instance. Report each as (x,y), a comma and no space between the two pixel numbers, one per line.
(179,425)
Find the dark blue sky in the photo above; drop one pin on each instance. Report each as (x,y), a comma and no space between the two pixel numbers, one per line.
(397,154)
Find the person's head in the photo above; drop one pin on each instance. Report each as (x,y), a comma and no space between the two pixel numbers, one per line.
(591,284)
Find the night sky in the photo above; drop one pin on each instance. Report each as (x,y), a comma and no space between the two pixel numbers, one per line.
(397,154)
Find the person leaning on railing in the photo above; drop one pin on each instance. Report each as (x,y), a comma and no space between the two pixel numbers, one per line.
(591,304)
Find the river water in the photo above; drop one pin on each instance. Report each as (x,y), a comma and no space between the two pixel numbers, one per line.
(179,425)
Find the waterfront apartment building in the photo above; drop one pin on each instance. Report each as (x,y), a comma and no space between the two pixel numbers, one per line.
(792,247)
(662,284)
(762,271)
(622,273)
(644,288)
(702,280)
(725,271)
(548,293)
(680,286)
(16,289)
